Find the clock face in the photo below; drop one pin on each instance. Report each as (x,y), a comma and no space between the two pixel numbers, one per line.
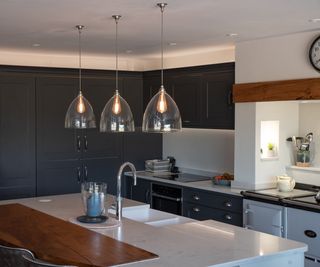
(314,53)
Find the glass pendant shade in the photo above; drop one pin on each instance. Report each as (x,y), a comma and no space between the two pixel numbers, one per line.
(161,114)
(80,114)
(116,116)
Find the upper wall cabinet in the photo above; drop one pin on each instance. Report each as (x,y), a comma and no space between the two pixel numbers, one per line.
(186,91)
(133,94)
(17,136)
(203,94)
(218,108)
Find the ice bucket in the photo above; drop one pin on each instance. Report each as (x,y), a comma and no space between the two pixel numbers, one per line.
(94,195)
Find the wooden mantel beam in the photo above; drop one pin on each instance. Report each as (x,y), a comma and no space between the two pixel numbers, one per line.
(301,89)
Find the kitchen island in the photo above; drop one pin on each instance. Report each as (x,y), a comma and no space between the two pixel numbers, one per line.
(193,243)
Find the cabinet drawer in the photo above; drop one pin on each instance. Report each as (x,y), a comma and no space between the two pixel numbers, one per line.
(200,212)
(213,200)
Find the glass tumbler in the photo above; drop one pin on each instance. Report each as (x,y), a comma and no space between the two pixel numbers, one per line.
(94,196)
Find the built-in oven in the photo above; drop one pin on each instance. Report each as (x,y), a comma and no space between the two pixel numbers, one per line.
(166,198)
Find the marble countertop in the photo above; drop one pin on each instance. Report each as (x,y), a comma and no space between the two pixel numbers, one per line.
(204,185)
(205,243)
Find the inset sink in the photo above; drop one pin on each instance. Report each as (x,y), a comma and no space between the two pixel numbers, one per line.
(175,220)
(144,214)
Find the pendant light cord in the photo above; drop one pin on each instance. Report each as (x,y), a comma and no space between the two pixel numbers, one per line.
(80,27)
(117,19)
(162,5)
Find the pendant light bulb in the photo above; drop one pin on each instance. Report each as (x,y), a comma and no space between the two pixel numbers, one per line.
(116,107)
(81,107)
(162,101)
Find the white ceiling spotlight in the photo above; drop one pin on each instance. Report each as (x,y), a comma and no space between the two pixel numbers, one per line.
(315,20)
(232,34)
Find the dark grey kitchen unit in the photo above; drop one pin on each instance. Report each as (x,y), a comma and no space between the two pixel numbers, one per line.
(67,157)
(203,205)
(141,192)
(17,136)
(55,160)
(196,203)
(203,94)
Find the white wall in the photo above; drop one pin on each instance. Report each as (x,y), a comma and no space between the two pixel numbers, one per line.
(252,172)
(245,145)
(287,113)
(277,58)
(203,151)
(270,59)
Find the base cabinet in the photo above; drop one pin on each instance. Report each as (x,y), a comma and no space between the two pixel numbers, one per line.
(140,192)
(200,212)
(205,205)
(196,204)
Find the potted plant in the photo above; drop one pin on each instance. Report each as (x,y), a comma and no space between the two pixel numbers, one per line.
(271,150)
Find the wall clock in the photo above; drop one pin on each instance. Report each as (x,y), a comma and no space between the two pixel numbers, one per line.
(314,53)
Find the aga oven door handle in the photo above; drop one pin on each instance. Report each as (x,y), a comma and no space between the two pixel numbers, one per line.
(166,197)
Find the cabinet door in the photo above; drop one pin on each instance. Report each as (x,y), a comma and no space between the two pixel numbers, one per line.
(17,137)
(54,142)
(133,94)
(186,92)
(58,149)
(59,177)
(97,145)
(102,170)
(303,226)
(264,217)
(140,192)
(218,108)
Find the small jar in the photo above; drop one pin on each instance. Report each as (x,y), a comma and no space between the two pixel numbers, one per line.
(303,158)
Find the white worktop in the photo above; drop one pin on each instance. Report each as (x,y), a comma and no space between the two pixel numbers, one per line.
(204,185)
(206,243)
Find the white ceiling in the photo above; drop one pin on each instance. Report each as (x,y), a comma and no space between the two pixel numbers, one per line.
(201,24)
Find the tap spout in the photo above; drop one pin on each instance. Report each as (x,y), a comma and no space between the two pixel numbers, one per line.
(119,198)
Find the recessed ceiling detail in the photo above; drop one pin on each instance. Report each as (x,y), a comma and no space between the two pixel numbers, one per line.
(191,24)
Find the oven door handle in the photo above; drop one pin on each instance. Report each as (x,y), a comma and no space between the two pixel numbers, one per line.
(166,197)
